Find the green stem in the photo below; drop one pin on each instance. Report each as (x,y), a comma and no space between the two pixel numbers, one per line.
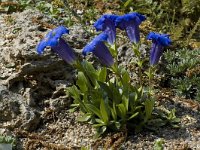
(140,75)
(78,65)
(116,71)
(140,62)
(113,51)
(115,67)
(151,76)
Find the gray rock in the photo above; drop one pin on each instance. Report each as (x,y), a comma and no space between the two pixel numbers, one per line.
(15,113)
(27,80)
(22,69)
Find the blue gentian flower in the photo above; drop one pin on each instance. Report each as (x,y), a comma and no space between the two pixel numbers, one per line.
(57,44)
(159,41)
(130,22)
(107,24)
(99,49)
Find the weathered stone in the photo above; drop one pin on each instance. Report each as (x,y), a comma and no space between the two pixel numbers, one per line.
(15,112)
(26,78)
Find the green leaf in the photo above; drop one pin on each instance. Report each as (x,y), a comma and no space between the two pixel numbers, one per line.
(126,83)
(101,130)
(115,93)
(113,50)
(90,71)
(100,121)
(71,110)
(74,92)
(94,110)
(113,112)
(74,105)
(98,125)
(103,74)
(127,3)
(82,82)
(134,115)
(117,125)
(85,148)
(140,92)
(159,144)
(125,78)
(125,101)
(104,112)
(176,120)
(95,97)
(105,88)
(7,140)
(149,104)
(136,50)
(84,118)
(122,111)
(140,63)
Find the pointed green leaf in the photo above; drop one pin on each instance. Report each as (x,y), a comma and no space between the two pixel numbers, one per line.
(127,3)
(113,112)
(125,101)
(82,82)
(115,93)
(105,87)
(84,118)
(103,74)
(104,112)
(74,92)
(100,121)
(149,104)
(125,78)
(102,129)
(134,115)
(71,110)
(95,97)
(94,110)
(98,125)
(122,111)
(90,71)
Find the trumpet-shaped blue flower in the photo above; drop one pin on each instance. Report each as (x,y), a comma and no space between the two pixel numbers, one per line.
(57,44)
(107,24)
(159,41)
(130,22)
(99,49)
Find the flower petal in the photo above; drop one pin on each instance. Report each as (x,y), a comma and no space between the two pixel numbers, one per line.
(102,22)
(59,31)
(99,49)
(130,22)
(122,21)
(51,39)
(111,32)
(91,46)
(133,33)
(162,39)
(64,51)
(159,41)
(103,54)
(88,48)
(107,24)
(41,46)
(155,53)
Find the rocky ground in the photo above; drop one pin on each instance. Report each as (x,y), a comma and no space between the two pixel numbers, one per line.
(34,105)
